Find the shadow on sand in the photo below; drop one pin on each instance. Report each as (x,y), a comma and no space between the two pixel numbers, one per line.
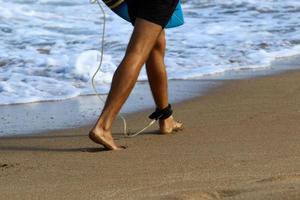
(49,149)
(5,146)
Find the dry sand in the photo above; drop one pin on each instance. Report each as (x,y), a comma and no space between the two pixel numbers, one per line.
(241,141)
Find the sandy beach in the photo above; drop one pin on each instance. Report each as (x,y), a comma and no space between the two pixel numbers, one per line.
(241,141)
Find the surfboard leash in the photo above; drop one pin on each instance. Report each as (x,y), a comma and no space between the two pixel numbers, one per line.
(158,114)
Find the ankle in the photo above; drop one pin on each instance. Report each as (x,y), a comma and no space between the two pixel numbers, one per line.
(161,107)
(162,113)
(103,126)
(105,121)
(166,120)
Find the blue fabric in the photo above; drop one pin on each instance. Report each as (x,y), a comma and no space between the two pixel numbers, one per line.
(176,20)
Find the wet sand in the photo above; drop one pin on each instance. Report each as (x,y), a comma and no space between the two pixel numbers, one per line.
(241,141)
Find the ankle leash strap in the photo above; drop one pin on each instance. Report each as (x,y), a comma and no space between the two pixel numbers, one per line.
(161,113)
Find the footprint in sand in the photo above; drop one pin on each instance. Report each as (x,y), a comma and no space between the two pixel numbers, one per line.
(278,186)
(281,178)
(4,166)
(201,195)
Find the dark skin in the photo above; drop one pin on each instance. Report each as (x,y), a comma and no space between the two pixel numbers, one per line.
(147,45)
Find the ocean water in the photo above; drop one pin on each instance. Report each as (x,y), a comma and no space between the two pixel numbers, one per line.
(49,49)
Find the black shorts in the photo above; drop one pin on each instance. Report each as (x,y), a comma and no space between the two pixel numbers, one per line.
(155,11)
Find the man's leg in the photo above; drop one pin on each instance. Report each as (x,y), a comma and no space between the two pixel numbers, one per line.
(143,38)
(158,81)
(156,72)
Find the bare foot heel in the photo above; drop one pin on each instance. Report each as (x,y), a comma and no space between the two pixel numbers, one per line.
(170,125)
(104,138)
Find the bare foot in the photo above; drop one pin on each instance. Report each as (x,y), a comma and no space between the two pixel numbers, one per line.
(169,125)
(104,138)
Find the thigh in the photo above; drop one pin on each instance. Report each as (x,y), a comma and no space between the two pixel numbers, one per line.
(144,37)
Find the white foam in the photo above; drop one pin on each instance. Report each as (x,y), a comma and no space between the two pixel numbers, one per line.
(88,62)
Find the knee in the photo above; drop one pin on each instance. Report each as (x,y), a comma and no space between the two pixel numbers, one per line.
(136,52)
(140,52)
(134,57)
(160,45)
(158,52)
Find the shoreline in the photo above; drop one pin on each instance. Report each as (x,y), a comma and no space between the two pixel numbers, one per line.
(84,110)
(241,140)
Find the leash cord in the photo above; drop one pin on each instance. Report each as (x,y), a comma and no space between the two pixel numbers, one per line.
(126,134)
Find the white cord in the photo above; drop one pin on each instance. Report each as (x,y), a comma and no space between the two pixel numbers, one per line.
(126,134)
